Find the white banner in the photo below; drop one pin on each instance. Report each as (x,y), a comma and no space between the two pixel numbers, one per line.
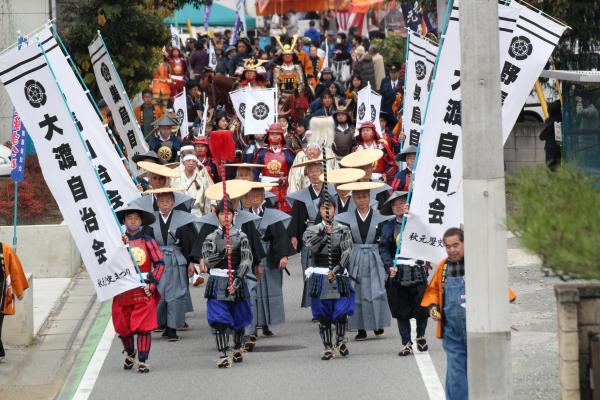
(260,110)
(114,94)
(437,202)
(238,99)
(68,170)
(180,107)
(174,37)
(531,45)
(119,185)
(212,56)
(369,105)
(419,65)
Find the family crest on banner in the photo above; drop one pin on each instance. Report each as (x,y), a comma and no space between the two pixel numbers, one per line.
(368,107)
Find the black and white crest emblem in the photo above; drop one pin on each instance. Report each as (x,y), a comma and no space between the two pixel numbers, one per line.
(373,113)
(242,110)
(260,111)
(361,111)
(35,93)
(105,72)
(180,116)
(520,48)
(420,69)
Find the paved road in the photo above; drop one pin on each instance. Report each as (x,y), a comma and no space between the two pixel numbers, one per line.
(287,364)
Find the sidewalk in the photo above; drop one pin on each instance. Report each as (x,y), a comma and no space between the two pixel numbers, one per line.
(38,371)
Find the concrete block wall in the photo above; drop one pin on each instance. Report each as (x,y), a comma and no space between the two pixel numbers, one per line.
(47,251)
(578,315)
(17,329)
(523,148)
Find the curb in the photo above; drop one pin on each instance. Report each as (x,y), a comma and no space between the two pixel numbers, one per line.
(73,379)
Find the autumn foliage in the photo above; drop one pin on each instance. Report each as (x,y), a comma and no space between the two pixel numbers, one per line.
(36,204)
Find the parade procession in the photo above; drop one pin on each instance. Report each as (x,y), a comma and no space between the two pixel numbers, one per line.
(287,187)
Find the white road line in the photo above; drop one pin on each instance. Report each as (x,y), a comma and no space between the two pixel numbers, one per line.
(93,369)
(432,382)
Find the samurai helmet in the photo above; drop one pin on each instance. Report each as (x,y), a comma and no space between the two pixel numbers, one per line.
(253,64)
(287,48)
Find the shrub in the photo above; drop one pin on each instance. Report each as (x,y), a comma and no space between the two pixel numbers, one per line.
(557,215)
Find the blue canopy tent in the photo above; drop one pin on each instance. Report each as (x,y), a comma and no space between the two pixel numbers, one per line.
(219,16)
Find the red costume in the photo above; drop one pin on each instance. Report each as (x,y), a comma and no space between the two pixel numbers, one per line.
(385,166)
(277,160)
(133,311)
(178,71)
(204,158)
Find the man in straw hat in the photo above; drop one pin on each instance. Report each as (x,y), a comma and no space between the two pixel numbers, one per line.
(332,295)
(407,279)
(134,311)
(371,312)
(149,156)
(343,198)
(402,179)
(365,160)
(175,233)
(305,212)
(164,143)
(268,302)
(242,219)
(228,304)
(159,177)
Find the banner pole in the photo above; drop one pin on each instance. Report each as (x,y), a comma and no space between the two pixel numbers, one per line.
(93,101)
(408,33)
(87,150)
(16,202)
(433,74)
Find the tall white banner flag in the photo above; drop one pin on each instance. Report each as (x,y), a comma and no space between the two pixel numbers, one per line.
(419,65)
(531,45)
(180,107)
(116,98)
(174,36)
(67,169)
(119,185)
(260,110)
(212,56)
(238,99)
(437,202)
(368,107)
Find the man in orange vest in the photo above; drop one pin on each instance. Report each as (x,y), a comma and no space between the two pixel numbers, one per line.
(12,285)
(445,298)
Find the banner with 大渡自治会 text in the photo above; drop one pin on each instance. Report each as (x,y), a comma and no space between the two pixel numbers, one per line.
(67,169)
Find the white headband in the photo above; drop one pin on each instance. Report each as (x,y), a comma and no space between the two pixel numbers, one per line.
(186,148)
(190,157)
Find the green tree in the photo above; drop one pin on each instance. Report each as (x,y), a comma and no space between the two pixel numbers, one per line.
(555,215)
(392,47)
(133,31)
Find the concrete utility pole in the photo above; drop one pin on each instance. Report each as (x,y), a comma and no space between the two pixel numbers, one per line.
(441,13)
(488,324)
